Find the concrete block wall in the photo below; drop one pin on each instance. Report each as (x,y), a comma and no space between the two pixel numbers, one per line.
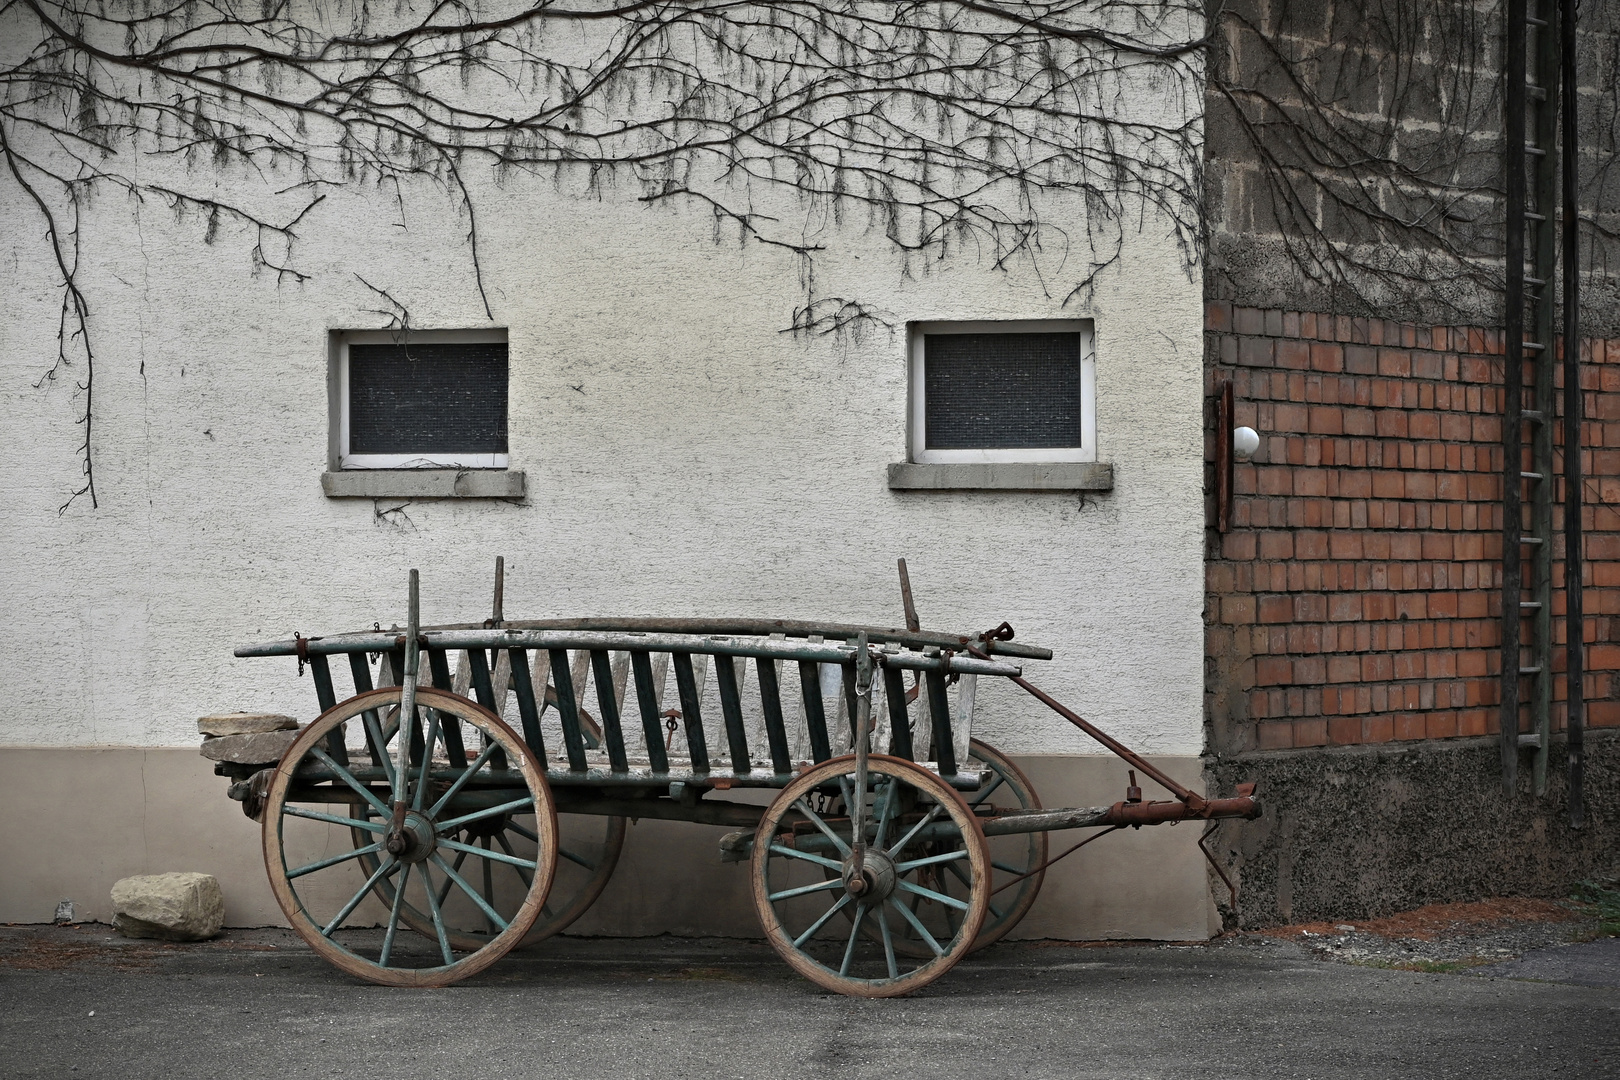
(1323,118)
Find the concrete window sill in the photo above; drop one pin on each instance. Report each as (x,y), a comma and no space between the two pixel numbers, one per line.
(424,484)
(1003,476)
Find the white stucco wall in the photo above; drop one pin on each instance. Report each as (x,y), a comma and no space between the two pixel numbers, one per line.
(684,457)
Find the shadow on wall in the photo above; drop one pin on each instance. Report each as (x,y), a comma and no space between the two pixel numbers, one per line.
(1360,832)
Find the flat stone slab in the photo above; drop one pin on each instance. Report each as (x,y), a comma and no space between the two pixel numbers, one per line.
(261,748)
(245,723)
(172,907)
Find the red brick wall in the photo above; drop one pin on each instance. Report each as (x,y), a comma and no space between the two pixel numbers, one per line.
(1355,597)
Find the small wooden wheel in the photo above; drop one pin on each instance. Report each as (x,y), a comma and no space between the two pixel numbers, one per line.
(588,851)
(806,831)
(442,792)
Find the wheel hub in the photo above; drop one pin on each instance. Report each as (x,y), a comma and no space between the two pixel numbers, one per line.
(876,881)
(416,838)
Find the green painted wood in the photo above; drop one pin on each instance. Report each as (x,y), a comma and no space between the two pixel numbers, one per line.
(484,692)
(652,727)
(606,700)
(939,709)
(528,708)
(894,692)
(361,672)
(815,709)
(770,699)
(691,711)
(568,710)
(725,673)
(320,669)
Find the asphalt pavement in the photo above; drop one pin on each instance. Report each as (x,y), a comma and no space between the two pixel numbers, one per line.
(82,1003)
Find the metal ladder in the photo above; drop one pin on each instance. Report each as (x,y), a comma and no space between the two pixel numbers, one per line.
(1531,164)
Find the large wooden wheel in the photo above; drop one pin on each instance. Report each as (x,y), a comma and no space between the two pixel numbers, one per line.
(466,767)
(588,849)
(1016,863)
(806,831)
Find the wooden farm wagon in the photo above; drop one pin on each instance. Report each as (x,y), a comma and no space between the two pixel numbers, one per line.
(895,843)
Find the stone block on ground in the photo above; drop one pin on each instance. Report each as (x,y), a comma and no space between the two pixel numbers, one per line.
(261,748)
(245,723)
(173,907)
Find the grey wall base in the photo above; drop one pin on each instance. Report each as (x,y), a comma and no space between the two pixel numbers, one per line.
(1359,832)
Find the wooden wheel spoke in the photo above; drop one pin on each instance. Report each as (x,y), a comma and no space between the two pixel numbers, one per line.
(965,880)
(527,834)
(930,894)
(931,860)
(467,774)
(578,860)
(438,915)
(1006,868)
(333,819)
(819,860)
(486,853)
(393,917)
(348,778)
(819,923)
(478,815)
(489,879)
(427,759)
(854,935)
(890,803)
(847,791)
(820,886)
(472,893)
(382,746)
(888,941)
(815,819)
(461,857)
(916,924)
(985,794)
(383,870)
(928,819)
(322,864)
(500,838)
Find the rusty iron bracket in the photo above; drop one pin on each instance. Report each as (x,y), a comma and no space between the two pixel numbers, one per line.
(1192,799)
(1209,856)
(1224,414)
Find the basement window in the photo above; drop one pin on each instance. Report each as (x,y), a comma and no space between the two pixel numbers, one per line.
(421,400)
(986,392)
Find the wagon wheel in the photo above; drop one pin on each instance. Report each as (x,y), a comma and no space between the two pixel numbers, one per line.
(801,835)
(588,851)
(320,892)
(1012,893)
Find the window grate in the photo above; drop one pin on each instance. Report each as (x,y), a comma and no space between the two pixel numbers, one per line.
(426,399)
(1002,391)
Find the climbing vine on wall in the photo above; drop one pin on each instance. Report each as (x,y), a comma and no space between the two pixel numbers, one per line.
(943,125)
